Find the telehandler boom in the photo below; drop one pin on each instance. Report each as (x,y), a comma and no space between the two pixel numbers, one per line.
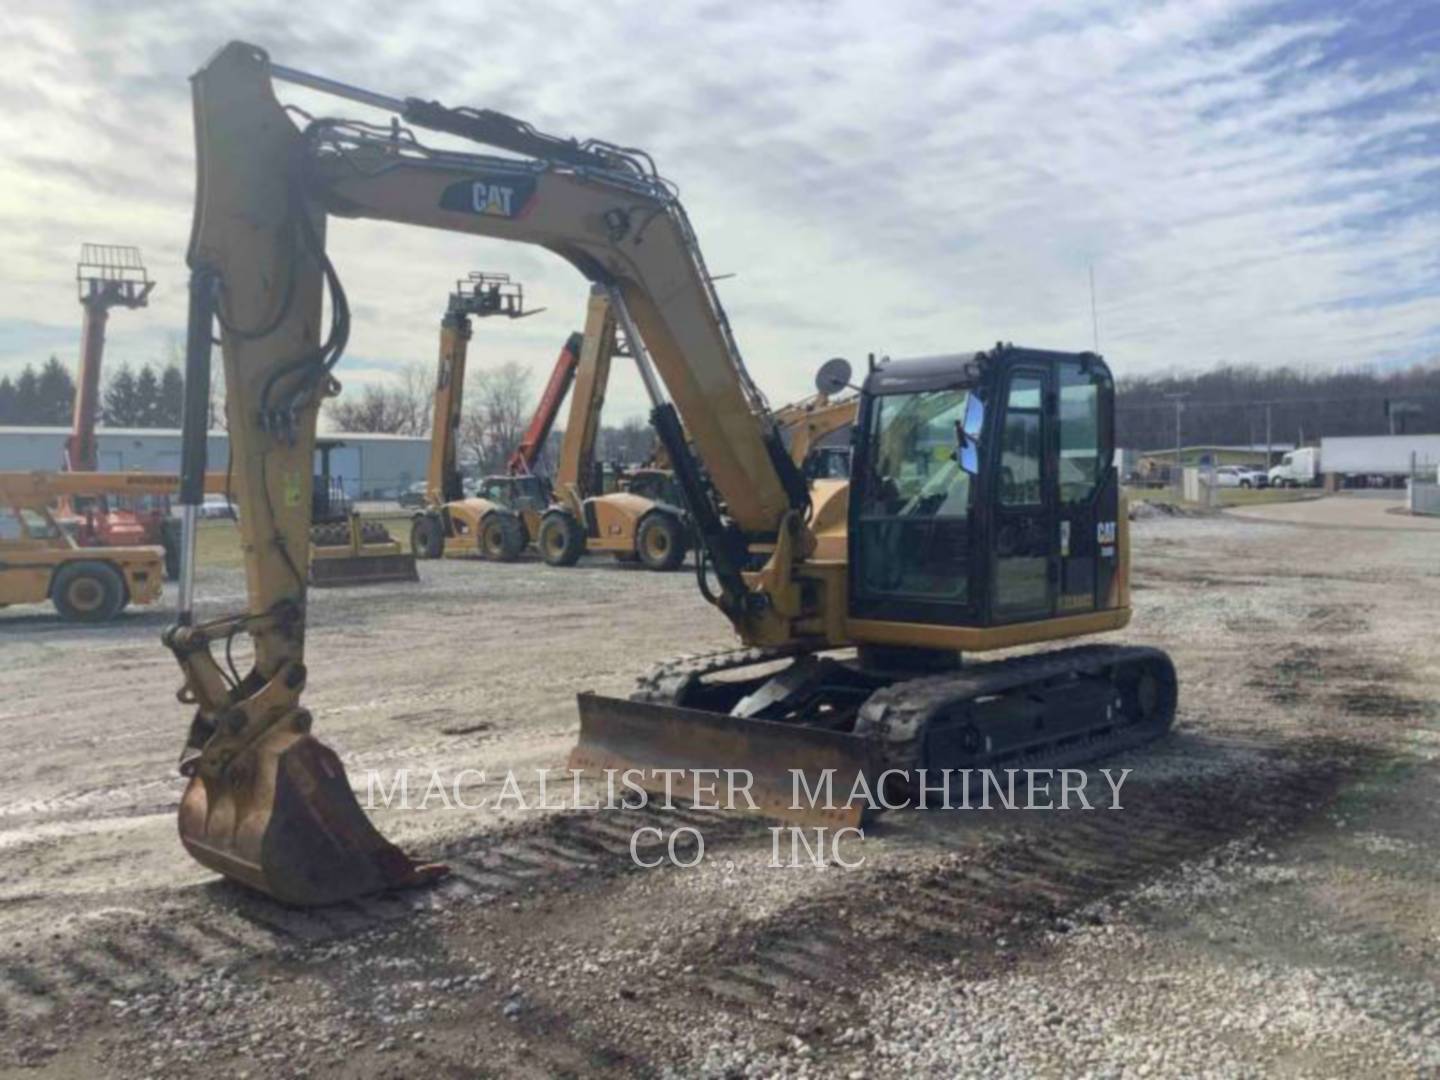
(537,432)
(984,511)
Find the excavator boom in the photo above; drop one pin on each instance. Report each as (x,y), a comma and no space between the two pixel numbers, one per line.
(266,801)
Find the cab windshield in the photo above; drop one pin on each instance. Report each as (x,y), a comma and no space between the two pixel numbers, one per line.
(25,523)
(914,515)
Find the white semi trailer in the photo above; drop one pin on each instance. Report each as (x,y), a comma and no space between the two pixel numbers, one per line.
(1389,458)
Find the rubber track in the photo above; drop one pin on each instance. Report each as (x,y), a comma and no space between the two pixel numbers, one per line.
(899,715)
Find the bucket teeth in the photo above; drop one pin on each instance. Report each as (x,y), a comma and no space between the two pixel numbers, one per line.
(284,821)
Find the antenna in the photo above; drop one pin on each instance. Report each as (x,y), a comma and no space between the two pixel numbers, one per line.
(1094,314)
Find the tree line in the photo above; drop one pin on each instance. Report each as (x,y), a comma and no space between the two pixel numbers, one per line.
(148,398)
(1228,406)
(498,406)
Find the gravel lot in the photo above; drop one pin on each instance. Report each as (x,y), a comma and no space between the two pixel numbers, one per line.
(1267,900)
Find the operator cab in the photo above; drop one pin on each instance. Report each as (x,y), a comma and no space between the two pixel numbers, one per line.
(519,493)
(983,490)
(657,485)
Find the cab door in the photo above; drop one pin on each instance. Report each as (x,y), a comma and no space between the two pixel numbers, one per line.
(1086,485)
(1025,525)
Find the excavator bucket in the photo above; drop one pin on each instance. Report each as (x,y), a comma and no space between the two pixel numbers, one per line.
(284,821)
(804,775)
(357,554)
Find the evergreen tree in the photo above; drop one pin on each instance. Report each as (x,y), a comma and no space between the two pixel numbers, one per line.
(27,396)
(56,390)
(172,397)
(147,399)
(121,401)
(9,413)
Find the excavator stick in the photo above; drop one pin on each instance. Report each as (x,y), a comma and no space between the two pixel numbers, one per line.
(284,821)
(369,556)
(804,775)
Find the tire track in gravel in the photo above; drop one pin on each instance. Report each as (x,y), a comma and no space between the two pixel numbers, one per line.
(222,923)
(943,905)
(805,966)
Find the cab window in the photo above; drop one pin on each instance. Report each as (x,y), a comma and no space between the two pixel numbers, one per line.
(26,523)
(913,538)
(1084,448)
(1020,448)
(10,525)
(38,525)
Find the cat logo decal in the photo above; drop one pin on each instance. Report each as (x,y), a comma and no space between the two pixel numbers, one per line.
(507,196)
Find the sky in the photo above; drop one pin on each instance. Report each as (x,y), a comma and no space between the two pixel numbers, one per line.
(1248,182)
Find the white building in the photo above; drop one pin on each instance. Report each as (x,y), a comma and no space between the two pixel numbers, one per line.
(369,466)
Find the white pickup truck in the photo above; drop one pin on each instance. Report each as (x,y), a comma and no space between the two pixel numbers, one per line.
(1239,476)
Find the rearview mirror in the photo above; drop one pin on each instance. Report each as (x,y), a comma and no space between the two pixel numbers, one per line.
(968,434)
(833,376)
(974,417)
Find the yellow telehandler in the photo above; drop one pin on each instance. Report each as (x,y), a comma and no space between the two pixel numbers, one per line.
(502,517)
(628,524)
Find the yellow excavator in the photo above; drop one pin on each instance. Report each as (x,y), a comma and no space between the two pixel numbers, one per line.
(805,425)
(500,521)
(984,507)
(627,524)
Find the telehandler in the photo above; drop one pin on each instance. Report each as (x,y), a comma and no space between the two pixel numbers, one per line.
(628,524)
(984,511)
(503,517)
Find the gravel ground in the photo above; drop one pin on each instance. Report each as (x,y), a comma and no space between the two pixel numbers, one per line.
(1359,510)
(1265,902)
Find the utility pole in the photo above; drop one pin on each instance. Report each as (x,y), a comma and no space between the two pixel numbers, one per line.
(1269,453)
(1179,400)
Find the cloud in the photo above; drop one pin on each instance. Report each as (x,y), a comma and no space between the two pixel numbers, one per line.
(1251,182)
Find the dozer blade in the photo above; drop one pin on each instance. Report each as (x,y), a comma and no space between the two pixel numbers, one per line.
(330,571)
(798,774)
(285,822)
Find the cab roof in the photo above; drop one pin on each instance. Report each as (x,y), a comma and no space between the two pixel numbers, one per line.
(951,370)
